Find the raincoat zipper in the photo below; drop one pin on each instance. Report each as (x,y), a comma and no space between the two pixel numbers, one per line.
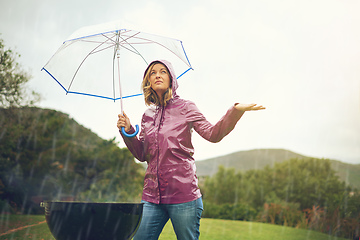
(158,148)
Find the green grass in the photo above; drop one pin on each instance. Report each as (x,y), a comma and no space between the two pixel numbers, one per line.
(8,221)
(216,229)
(37,232)
(210,229)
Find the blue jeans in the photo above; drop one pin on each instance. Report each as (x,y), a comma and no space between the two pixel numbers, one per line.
(185,218)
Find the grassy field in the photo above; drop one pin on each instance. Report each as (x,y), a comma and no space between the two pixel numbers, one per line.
(211,229)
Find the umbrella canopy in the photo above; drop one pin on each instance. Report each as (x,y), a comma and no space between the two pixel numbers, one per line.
(92,61)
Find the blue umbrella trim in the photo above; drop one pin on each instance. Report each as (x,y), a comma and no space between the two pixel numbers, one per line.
(93,95)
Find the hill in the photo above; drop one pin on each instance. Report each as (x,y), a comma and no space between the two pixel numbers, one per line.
(259,158)
(46,153)
(350,173)
(245,160)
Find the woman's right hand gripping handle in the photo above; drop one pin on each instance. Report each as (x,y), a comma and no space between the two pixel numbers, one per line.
(124,125)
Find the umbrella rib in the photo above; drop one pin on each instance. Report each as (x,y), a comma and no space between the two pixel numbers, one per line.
(132,36)
(130,44)
(149,41)
(163,47)
(136,51)
(93,41)
(130,50)
(110,38)
(103,42)
(125,40)
(82,62)
(102,49)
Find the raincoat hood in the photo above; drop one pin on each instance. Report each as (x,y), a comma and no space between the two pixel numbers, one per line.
(169,66)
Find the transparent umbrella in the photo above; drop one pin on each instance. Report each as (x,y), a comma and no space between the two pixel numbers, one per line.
(107,61)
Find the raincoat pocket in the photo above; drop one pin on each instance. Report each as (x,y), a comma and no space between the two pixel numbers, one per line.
(176,179)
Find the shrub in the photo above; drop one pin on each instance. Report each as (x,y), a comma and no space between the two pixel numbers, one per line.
(287,214)
(229,211)
(5,207)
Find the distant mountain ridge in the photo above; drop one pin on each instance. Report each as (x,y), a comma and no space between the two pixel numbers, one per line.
(245,160)
(259,158)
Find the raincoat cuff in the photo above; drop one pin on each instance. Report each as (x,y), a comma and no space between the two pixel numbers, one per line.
(239,111)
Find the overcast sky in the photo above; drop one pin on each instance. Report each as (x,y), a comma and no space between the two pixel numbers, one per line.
(300,59)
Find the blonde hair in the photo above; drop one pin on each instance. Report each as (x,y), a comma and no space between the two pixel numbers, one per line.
(150,95)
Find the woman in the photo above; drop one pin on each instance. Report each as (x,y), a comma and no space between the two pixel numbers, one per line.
(170,185)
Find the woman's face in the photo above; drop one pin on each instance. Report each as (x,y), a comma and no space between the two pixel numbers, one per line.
(159,79)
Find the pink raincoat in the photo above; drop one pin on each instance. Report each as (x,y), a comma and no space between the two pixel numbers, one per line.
(165,144)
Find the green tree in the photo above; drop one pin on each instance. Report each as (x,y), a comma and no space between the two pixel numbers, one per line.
(221,187)
(44,152)
(304,193)
(12,80)
(308,182)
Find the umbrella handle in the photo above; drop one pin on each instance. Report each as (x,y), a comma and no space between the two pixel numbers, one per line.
(130,135)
